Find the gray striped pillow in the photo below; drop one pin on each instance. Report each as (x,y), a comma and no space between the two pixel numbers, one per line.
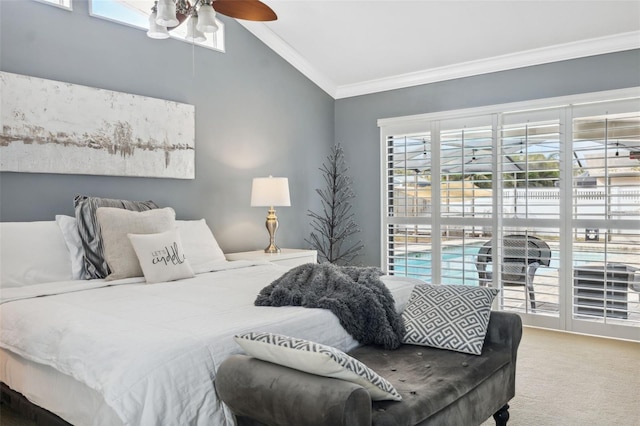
(89,229)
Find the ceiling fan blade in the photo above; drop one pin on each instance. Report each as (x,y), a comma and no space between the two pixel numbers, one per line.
(251,10)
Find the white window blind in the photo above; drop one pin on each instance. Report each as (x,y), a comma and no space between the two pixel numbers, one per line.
(563,176)
(408,186)
(529,196)
(606,200)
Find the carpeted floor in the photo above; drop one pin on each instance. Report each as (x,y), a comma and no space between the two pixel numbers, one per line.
(562,379)
(573,380)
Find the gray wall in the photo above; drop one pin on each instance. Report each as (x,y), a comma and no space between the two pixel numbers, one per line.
(255,115)
(356,118)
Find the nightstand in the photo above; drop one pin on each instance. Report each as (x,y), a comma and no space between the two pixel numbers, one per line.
(286,257)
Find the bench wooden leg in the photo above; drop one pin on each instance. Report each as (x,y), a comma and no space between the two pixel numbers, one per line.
(502,416)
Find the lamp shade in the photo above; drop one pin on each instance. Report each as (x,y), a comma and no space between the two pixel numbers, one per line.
(156,31)
(167,13)
(270,191)
(192,30)
(207,19)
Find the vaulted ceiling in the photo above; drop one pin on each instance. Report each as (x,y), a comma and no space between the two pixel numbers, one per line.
(356,47)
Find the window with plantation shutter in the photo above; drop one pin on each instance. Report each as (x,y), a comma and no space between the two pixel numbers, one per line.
(530,199)
(408,211)
(606,213)
(540,199)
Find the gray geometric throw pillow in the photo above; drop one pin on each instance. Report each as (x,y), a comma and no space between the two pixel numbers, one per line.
(453,317)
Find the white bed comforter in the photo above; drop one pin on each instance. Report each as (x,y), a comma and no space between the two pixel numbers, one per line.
(152,351)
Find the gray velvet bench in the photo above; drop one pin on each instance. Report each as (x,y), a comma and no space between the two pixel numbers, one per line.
(438,387)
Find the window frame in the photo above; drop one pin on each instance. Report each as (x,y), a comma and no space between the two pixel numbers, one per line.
(430,124)
(219,41)
(58,4)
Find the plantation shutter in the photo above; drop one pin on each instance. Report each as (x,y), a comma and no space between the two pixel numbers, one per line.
(564,177)
(530,193)
(408,211)
(606,225)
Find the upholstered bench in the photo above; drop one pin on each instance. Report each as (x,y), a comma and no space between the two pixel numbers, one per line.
(438,387)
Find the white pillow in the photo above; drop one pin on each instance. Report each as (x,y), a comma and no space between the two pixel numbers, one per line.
(200,246)
(32,253)
(161,256)
(116,223)
(72,239)
(198,241)
(316,358)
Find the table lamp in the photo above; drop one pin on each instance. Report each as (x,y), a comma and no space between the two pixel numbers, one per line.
(270,192)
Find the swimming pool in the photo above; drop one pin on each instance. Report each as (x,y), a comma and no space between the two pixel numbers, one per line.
(459,263)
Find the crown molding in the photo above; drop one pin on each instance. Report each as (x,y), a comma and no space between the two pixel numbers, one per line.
(282,48)
(561,52)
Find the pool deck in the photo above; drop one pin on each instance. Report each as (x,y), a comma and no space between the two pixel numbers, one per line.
(547,286)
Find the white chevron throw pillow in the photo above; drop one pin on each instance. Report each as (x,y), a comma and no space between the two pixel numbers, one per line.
(318,359)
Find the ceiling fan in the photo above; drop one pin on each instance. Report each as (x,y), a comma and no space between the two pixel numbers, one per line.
(250,10)
(168,14)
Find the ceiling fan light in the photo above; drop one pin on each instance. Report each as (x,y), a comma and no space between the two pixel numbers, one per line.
(193,34)
(156,31)
(167,14)
(207,19)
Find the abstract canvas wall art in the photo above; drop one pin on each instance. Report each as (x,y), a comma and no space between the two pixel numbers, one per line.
(54,127)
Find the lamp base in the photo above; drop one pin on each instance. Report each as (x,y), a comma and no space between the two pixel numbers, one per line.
(272,249)
(272,227)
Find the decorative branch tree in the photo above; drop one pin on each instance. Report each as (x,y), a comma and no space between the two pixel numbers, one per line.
(334,227)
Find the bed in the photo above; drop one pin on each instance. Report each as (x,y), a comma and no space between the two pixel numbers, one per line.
(126,352)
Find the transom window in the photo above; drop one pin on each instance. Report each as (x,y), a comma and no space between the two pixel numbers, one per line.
(136,13)
(65,4)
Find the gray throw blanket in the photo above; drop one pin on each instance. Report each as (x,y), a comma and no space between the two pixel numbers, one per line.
(362,302)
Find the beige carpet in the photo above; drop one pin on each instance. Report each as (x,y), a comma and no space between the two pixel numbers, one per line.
(573,380)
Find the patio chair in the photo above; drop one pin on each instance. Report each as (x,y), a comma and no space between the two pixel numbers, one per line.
(521,257)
